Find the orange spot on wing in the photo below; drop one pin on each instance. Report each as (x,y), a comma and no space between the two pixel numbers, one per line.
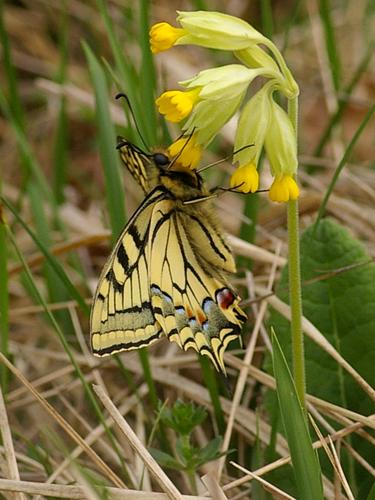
(201,317)
(189,312)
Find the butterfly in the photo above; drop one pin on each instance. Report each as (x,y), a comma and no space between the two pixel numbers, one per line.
(168,273)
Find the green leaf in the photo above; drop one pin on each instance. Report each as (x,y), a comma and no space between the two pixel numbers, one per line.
(211,451)
(304,458)
(165,460)
(183,417)
(341,306)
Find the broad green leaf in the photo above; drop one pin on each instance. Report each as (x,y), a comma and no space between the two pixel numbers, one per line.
(304,458)
(341,305)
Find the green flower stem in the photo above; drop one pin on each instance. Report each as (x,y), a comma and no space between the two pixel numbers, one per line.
(293,87)
(295,296)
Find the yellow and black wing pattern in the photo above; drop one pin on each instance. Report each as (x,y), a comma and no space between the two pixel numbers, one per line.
(168,273)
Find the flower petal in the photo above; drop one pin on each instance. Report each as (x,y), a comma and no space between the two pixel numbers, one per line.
(245,179)
(186,151)
(163,36)
(177,105)
(284,189)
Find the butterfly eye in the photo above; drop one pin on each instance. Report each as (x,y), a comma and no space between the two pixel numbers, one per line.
(161,159)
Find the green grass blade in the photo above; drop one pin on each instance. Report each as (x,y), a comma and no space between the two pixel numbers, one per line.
(344,101)
(107,146)
(31,166)
(71,289)
(60,155)
(4,302)
(127,74)
(61,146)
(305,461)
(331,46)
(56,289)
(210,380)
(343,162)
(10,72)
(143,356)
(267,18)
(148,80)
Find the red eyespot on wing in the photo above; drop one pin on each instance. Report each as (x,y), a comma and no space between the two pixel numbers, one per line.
(224,298)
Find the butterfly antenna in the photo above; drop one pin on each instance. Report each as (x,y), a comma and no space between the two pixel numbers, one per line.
(181,150)
(206,167)
(118,96)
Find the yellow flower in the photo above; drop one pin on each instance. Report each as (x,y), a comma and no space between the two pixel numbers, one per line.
(186,151)
(245,179)
(284,188)
(177,105)
(163,36)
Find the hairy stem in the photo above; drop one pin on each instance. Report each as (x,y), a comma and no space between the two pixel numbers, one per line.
(295,296)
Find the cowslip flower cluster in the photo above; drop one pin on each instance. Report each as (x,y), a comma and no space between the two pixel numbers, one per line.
(214,95)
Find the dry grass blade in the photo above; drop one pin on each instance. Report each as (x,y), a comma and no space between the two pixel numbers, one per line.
(65,425)
(276,492)
(95,434)
(78,493)
(255,252)
(338,467)
(213,487)
(10,461)
(160,476)
(62,248)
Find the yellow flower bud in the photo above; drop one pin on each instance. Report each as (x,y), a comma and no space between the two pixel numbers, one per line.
(256,57)
(280,142)
(186,151)
(177,105)
(223,82)
(283,189)
(252,127)
(208,117)
(163,36)
(245,179)
(217,31)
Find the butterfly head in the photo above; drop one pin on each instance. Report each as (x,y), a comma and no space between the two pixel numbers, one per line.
(157,168)
(181,181)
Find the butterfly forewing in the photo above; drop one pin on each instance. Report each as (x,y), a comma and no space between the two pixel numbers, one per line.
(136,162)
(168,271)
(122,316)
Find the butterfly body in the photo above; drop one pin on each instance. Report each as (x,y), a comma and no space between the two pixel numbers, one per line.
(168,273)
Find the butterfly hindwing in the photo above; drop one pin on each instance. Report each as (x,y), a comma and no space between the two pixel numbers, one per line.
(194,304)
